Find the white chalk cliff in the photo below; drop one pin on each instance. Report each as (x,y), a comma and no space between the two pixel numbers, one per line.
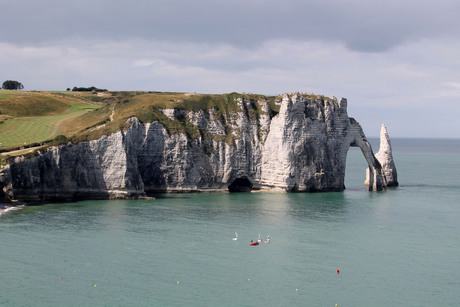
(301,148)
(385,158)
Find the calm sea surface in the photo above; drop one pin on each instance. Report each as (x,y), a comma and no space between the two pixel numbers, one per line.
(395,248)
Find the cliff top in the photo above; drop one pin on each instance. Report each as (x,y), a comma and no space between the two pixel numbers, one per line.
(34,118)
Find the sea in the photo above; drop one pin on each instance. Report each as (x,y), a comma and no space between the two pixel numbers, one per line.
(399,247)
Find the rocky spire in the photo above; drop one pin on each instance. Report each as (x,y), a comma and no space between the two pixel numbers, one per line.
(385,158)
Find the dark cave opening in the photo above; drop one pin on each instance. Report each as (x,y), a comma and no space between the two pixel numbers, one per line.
(240,185)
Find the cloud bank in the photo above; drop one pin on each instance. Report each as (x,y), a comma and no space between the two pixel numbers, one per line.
(396,61)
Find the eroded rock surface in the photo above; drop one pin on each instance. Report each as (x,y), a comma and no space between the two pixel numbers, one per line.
(385,158)
(302,148)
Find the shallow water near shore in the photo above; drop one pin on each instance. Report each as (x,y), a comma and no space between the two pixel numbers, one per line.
(393,248)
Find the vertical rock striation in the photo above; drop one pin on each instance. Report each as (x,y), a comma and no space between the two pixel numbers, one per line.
(385,158)
(301,148)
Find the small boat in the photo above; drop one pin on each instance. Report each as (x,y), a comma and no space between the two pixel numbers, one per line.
(254,243)
(268,239)
(259,240)
(236,237)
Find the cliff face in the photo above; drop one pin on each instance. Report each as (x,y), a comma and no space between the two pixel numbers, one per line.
(302,148)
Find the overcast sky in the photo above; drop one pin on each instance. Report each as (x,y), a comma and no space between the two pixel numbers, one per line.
(396,61)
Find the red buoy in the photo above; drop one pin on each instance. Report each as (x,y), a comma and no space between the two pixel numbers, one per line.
(338,271)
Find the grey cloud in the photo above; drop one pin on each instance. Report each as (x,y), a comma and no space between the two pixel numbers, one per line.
(368,26)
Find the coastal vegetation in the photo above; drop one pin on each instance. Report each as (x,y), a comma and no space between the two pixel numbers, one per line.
(31,118)
(35,118)
(12,85)
(87,89)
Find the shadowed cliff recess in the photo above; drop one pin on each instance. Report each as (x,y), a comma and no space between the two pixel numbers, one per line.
(240,185)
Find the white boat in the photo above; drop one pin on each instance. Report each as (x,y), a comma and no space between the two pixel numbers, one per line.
(268,239)
(236,237)
(259,240)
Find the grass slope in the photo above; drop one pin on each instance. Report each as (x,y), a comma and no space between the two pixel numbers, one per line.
(31,117)
(19,131)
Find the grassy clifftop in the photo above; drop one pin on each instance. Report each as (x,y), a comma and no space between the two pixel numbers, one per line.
(148,106)
(28,119)
(33,117)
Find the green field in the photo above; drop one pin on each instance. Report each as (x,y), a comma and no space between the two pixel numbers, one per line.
(21,131)
(34,117)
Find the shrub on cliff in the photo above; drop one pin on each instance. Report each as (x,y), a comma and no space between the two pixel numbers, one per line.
(60,139)
(88,89)
(12,85)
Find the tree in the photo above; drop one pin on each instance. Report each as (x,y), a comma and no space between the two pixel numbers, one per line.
(12,85)
(88,89)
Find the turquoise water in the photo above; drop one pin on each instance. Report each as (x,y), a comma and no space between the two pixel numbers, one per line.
(394,248)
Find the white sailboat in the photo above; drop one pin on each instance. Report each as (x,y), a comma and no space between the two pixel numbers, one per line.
(268,239)
(236,237)
(259,240)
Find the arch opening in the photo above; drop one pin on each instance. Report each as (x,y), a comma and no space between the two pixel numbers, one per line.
(241,184)
(355,170)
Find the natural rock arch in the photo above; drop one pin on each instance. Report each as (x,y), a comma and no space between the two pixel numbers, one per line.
(375,179)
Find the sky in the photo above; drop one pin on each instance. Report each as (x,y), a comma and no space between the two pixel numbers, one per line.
(396,61)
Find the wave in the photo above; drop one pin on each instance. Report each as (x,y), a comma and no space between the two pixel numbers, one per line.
(6,208)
